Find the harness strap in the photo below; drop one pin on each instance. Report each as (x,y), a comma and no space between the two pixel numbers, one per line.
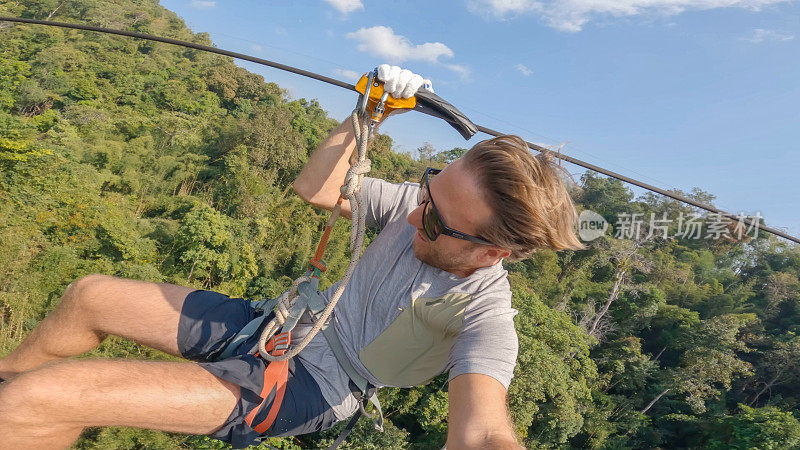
(366,390)
(276,376)
(347,429)
(277,372)
(350,190)
(251,327)
(265,306)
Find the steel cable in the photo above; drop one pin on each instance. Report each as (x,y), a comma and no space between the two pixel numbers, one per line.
(342,84)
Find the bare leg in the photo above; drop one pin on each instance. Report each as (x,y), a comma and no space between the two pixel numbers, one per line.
(94,307)
(49,407)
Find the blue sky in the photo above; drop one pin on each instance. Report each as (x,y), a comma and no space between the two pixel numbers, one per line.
(676,93)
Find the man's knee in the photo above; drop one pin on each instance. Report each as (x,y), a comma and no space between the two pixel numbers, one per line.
(24,401)
(26,415)
(88,293)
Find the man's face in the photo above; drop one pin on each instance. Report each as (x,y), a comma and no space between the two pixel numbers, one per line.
(462,206)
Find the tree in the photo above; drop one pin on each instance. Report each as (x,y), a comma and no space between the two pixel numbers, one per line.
(627,258)
(207,246)
(765,428)
(780,366)
(548,410)
(448,156)
(426,152)
(708,361)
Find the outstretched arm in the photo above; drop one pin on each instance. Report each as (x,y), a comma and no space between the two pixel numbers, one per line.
(323,174)
(478,414)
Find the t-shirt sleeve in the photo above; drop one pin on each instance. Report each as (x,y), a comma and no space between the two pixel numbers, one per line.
(488,343)
(386,202)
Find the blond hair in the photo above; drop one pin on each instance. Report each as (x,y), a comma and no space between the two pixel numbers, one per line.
(531,204)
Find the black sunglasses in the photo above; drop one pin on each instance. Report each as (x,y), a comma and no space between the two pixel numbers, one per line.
(432,222)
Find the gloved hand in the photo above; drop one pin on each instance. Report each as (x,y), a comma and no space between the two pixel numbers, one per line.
(401,83)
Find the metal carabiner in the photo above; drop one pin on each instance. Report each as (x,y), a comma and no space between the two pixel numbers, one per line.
(377,114)
(363,99)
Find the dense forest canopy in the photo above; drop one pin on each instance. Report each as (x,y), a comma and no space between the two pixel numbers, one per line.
(160,163)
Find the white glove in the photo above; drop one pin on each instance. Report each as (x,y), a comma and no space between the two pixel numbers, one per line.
(401,83)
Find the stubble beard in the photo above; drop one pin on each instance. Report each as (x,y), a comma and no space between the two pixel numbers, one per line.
(428,253)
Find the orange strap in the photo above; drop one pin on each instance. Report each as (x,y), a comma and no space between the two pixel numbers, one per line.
(324,241)
(276,375)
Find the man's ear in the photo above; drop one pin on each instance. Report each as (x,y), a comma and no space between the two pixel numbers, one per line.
(491,254)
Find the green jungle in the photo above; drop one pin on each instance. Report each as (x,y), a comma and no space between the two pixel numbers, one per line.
(155,162)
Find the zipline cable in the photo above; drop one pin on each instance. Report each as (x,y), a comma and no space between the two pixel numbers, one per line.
(342,84)
(188,44)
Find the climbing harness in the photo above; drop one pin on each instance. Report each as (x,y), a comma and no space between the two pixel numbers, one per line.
(427,103)
(372,105)
(275,342)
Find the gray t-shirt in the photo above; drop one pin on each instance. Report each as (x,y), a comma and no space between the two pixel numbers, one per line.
(402,322)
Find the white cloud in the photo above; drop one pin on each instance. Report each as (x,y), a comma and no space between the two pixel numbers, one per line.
(256,48)
(524,69)
(346,6)
(760,35)
(500,9)
(463,71)
(381,42)
(203,4)
(572,15)
(350,75)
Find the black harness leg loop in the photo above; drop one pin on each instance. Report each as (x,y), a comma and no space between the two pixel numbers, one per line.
(347,429)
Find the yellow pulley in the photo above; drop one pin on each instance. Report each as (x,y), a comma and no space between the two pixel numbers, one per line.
(375,102)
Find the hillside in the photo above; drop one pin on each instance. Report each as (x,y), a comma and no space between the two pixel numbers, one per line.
(149,161)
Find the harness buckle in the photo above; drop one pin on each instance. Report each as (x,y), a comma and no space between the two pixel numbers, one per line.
(316,267)
(279,343)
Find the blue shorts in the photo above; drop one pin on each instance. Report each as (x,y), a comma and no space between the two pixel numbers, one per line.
(208,322)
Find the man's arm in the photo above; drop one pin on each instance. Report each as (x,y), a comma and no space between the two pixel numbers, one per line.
(478,414)
(323,174)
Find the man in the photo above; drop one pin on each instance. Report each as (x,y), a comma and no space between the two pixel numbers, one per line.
(429,295)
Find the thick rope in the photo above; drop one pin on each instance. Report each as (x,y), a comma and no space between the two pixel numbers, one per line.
(351,189)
